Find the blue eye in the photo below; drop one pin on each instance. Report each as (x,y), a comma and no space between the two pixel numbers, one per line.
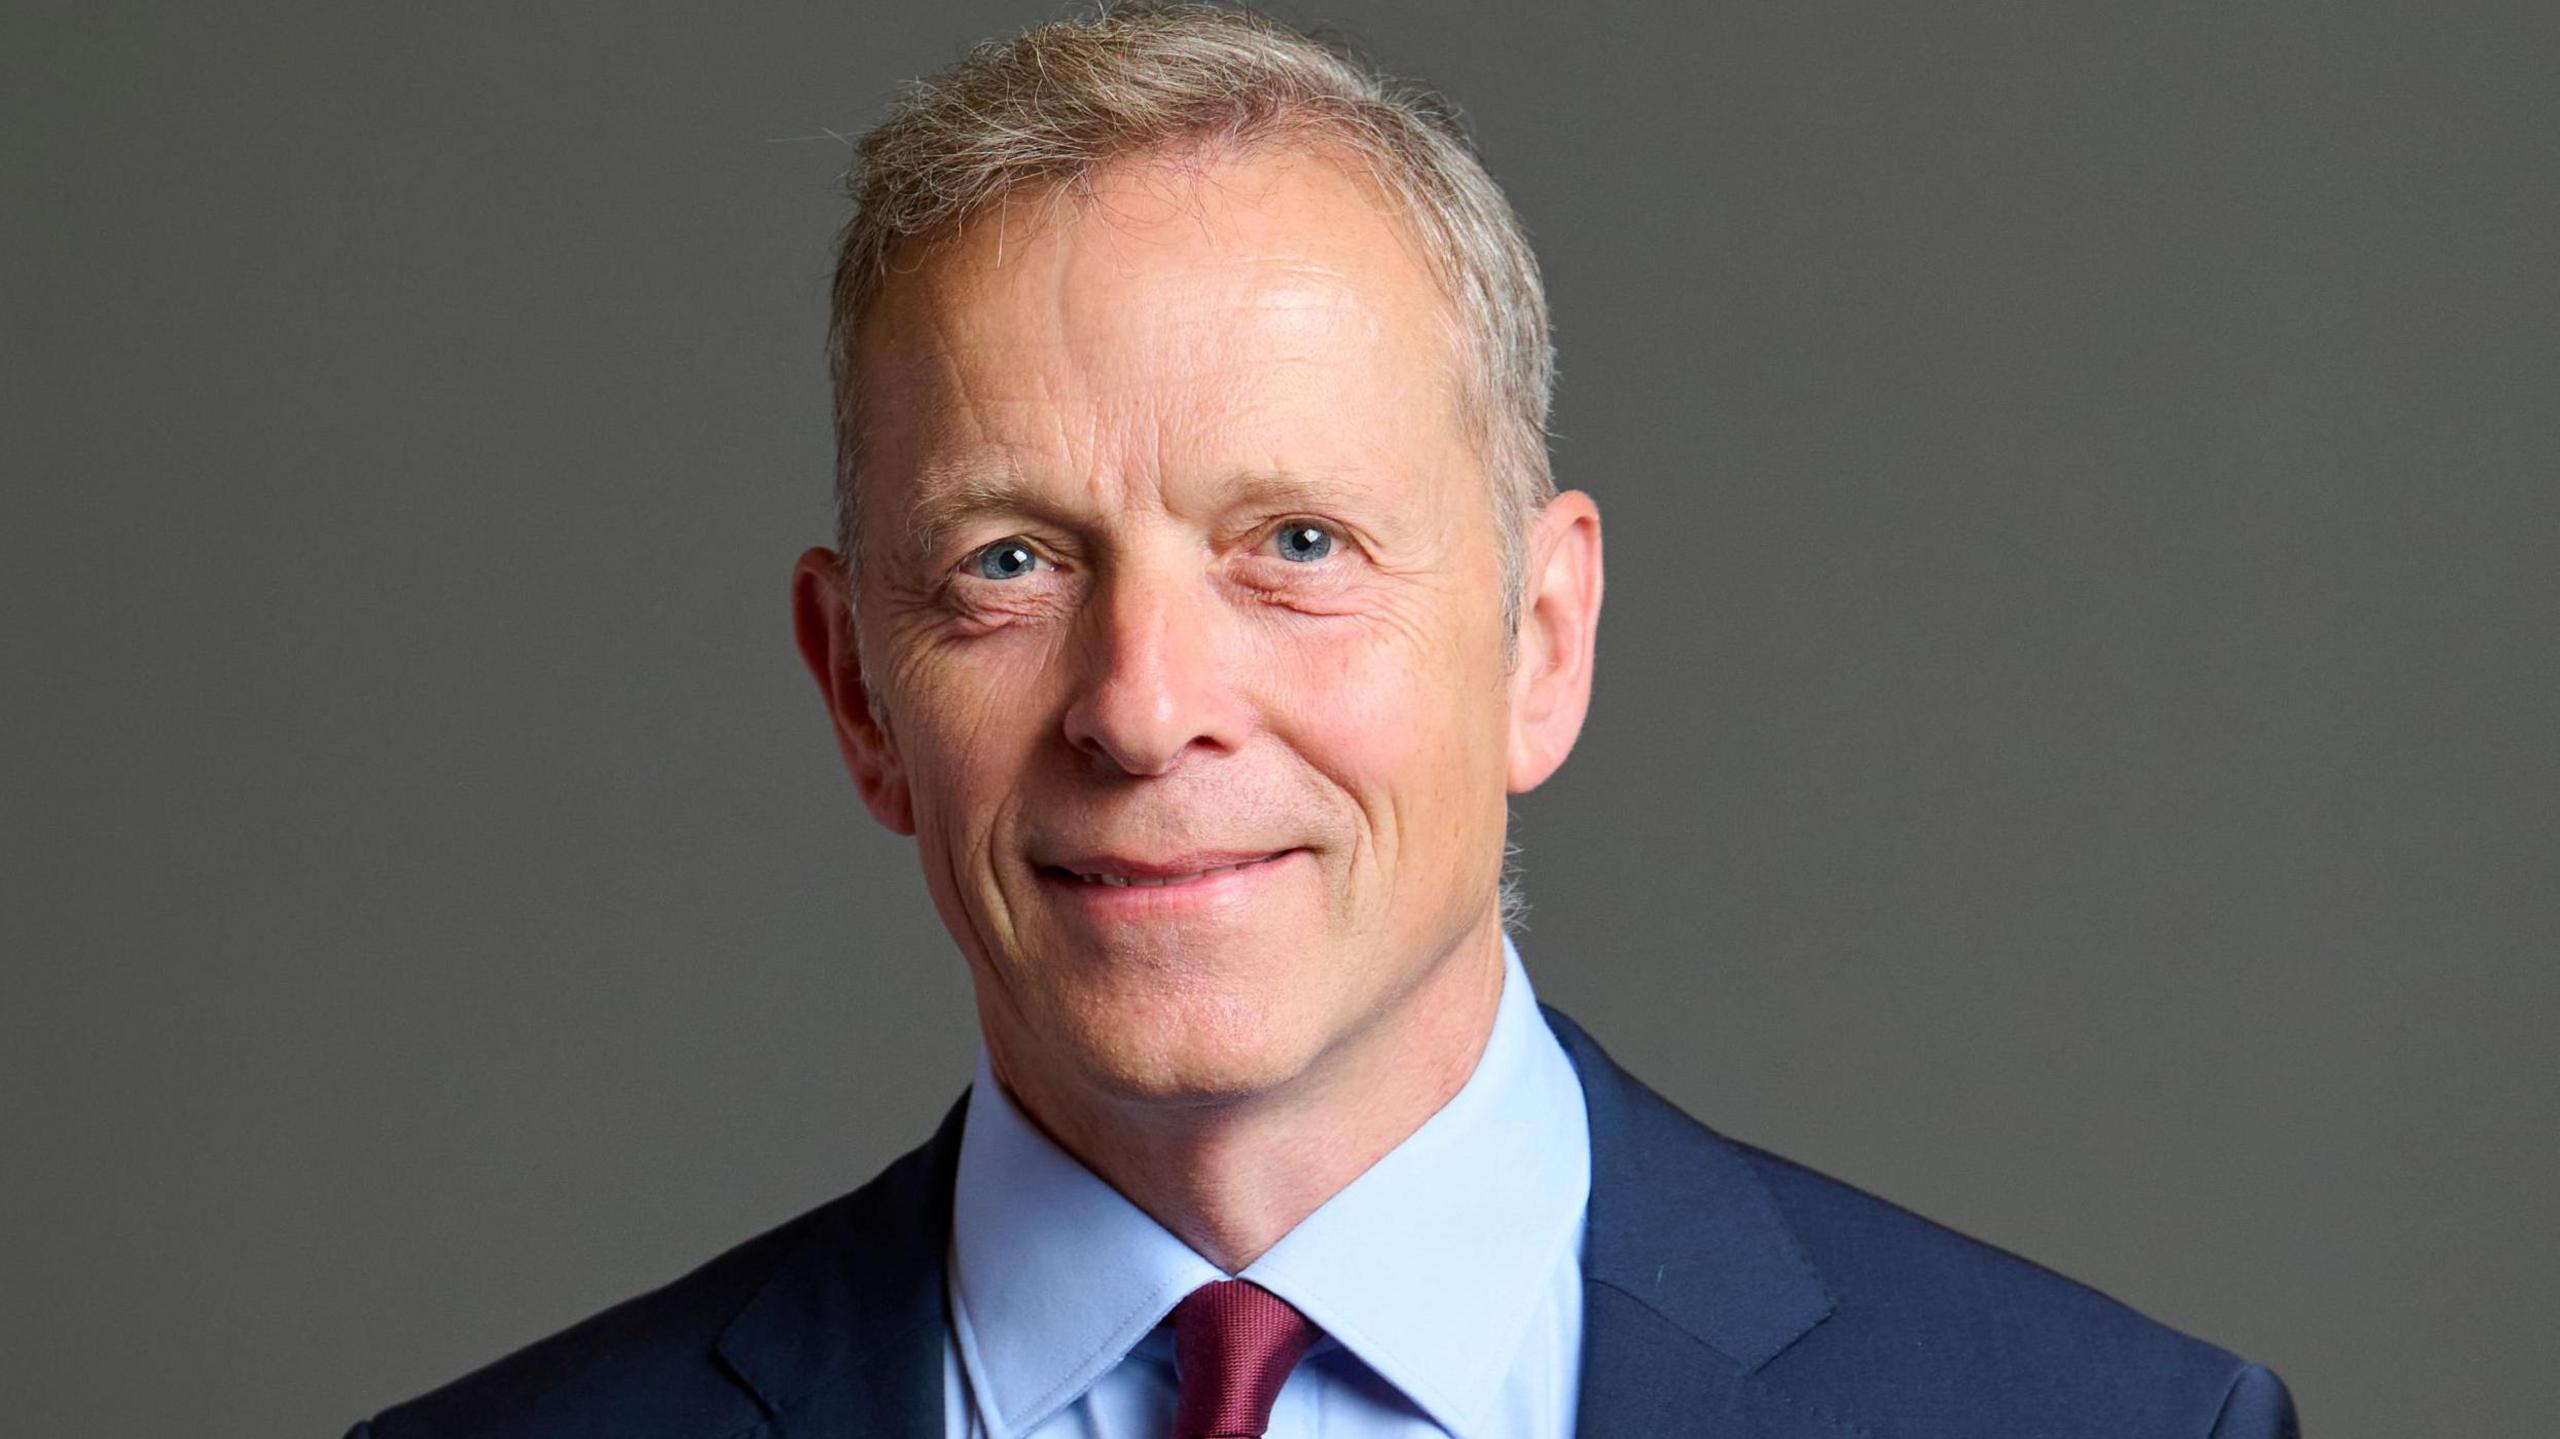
(1006,559)
(1305,544)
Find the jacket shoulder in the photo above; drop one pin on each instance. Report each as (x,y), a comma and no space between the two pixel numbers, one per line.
(645,1367)
(1966,1337)
(653,1366)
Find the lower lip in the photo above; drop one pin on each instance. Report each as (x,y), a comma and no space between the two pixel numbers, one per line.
(1206,891)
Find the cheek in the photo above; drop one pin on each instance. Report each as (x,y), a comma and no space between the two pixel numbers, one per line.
(966,732)
(1408,736)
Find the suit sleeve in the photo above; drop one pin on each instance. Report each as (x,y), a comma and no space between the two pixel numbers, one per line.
(2258,1407)
(363,1430)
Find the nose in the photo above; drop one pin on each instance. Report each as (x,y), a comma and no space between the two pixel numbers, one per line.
(1156,653)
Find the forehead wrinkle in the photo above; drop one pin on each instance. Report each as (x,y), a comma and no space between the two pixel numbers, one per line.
(1112,424)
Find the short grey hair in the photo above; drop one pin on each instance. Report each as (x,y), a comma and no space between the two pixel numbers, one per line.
(1050,108)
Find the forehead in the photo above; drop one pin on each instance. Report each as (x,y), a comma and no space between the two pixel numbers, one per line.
(1203,310)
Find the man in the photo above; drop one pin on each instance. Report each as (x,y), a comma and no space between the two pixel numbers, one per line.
(1202,596)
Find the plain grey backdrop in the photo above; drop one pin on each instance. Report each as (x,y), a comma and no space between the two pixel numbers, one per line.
(2078,720)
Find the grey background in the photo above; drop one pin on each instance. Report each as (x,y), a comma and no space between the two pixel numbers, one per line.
(2074,748)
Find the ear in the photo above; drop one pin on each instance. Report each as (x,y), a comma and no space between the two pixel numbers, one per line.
(1559,627)
(822,619)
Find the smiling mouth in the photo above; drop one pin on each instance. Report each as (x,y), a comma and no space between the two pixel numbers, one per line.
(1126,876)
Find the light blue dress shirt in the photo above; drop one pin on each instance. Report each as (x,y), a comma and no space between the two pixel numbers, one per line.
(1447,1278)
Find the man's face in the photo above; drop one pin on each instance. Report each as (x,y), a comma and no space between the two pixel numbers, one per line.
(1180,566)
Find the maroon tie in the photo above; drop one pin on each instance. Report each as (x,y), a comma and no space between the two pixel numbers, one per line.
(1234,1344)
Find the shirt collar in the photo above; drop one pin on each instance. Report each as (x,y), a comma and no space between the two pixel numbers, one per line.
(1054,1276)
(1429,1266)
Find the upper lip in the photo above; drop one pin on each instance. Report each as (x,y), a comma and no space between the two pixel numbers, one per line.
(1126,867)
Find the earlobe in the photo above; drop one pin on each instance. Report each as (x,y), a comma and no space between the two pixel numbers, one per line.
(1559,628)
(822,622)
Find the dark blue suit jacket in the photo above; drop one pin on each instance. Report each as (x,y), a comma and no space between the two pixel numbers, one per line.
(1726,1293)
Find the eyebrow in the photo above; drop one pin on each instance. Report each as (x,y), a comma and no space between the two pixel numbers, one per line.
(952,503)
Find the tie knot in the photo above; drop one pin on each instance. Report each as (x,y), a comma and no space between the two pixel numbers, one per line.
(1234,1343)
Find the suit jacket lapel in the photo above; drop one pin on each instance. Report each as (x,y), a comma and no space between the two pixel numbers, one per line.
(846,1338)
(1691,1280)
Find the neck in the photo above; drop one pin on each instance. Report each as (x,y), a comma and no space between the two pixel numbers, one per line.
(1230,1178)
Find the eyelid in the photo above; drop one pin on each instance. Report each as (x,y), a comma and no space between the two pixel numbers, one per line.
(965,567)
(1345,538)
(1311,522)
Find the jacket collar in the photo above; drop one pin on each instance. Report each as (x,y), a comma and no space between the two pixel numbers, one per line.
(1691,1283)
(846,1338)
(1681,1224)
(1691,1280)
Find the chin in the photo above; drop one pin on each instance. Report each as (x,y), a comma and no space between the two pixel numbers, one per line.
(1195,1045)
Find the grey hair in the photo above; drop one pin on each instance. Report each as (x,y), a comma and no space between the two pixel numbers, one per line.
(1050,108)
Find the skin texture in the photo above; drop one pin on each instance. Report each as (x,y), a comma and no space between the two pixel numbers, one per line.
(1177,543)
